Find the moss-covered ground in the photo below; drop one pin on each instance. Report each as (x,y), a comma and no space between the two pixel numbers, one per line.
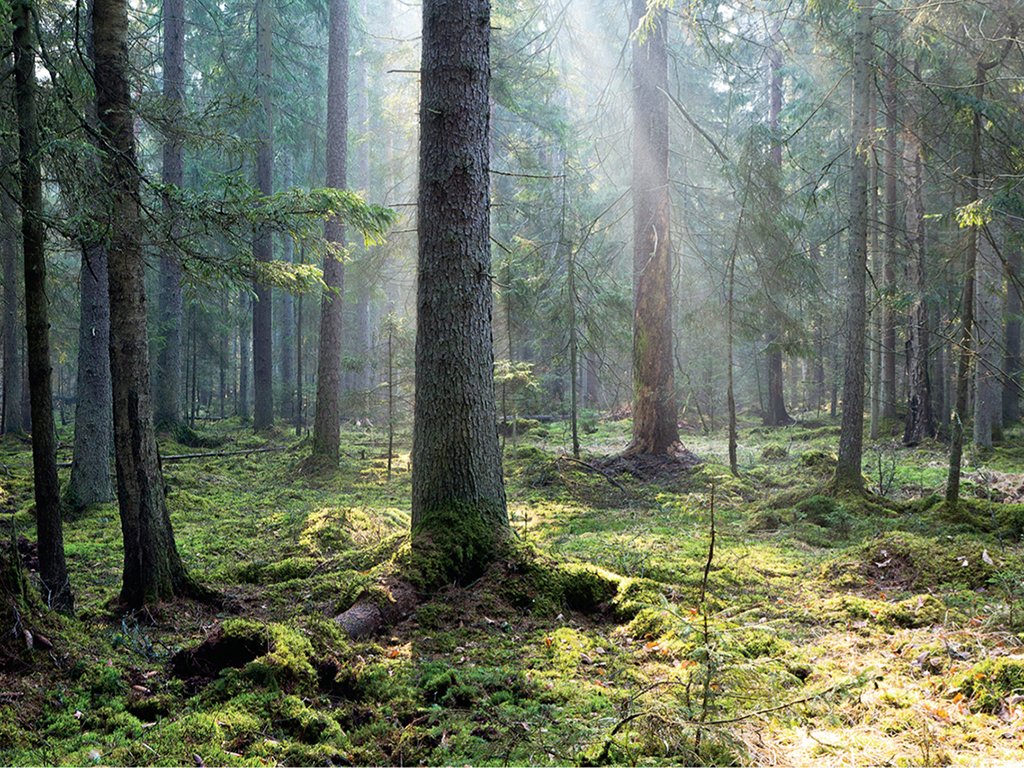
(818,630)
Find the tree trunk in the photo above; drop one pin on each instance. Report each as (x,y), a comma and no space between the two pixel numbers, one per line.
(244,348)
(94,429)
(919,416)
(1012,311)
(152,568)
(655,430)
(262,246)
(775,413)
(90,464)
(11,404)
(851,434)
(327,423)
(889,251)
(287,344)
(459,515)
(49,527)
(167,390)
(988,353)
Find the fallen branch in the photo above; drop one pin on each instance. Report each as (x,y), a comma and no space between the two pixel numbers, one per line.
(220,454)
(592,468)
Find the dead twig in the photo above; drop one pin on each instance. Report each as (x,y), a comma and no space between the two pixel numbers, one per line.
(592,468)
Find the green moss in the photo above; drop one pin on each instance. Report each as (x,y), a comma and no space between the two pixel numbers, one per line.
(277,571)
(819,460)
(774,452)
(634,595)
(757,642)
(650,624)
(990,682)
(454,543)
(920,611)
(917,562)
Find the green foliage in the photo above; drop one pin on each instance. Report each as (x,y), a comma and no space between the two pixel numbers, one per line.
(990,683)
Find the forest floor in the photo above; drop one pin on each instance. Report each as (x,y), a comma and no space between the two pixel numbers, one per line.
(661,614)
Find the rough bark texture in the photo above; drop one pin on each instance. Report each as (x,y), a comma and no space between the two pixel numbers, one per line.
(263,244)
(327,423)
(919,423)
(152,568)
(458,492)
(889,251)
(851,434)
(244,348)
(287,337)
(167,389)
(988,405)
(9,226)
(52,566)
(655,430)
(90,481)
(1012,311)
(775,407)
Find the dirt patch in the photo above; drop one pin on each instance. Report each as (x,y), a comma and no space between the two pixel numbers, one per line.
(648,467)
(217,652)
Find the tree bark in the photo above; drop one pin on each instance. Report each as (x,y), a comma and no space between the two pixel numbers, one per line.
(94,429)
(655,430)
(153,570)
(775,412)
(327,422)
(1012,310)
(458,494)
(851,433)
(889,252)
(263,248)
(49,526)
(919,422)
(167,391)
(11,395)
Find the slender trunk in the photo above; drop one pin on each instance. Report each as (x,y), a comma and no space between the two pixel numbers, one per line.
(10,412)
(167,384)
(263,249)
(775,415)
(851,436)
(49,526)
(919,416)
(1012,311)
(889,248)
(327,424)
(242,397)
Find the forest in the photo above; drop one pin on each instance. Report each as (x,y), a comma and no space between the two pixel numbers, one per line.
(511,382)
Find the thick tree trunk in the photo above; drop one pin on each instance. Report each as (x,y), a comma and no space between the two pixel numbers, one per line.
(655,430)
(152,568)
(851,435)
(49,526)
(167,390)
(263,250)
(458,494)
(327,423)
